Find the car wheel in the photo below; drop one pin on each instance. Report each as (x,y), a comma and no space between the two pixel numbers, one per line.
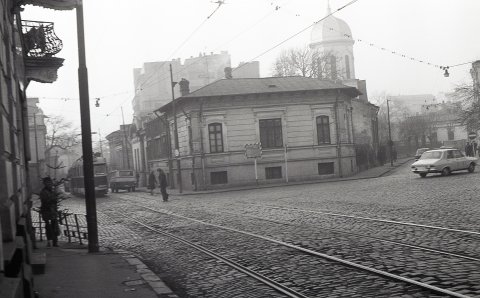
(471,168)
(423,175)
(446,171)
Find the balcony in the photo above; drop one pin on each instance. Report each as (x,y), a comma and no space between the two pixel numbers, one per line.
(41,44)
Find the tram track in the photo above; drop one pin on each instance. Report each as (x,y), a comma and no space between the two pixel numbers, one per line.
(370,219)
(359,266)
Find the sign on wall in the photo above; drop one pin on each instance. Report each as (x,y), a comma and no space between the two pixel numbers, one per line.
(253,150)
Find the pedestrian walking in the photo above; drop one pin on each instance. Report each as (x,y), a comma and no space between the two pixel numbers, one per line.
(475,148)
(152,182)
(49,211)
(162,180)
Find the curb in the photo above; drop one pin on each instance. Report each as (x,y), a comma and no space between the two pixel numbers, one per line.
(148,276)
(390,169)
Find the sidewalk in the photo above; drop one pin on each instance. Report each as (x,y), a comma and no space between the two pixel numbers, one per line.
(367,174)
(72,272)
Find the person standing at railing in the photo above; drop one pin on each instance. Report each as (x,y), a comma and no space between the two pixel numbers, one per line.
(49,211)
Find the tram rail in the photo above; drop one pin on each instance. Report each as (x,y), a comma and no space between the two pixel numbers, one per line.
(382,273)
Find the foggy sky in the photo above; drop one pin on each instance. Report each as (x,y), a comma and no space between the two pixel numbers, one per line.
(123,34)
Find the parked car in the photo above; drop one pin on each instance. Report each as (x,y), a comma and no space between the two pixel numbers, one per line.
(122,179)
(443,161)
(420,152)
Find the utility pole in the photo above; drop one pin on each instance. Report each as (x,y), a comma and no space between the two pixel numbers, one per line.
(125,148)
(175,132)
(390,143)
(90,202)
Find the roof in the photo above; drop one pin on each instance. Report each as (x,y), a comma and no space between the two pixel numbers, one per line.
(239,86)
(244,86)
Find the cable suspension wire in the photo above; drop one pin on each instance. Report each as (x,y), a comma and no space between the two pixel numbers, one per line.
(299,32)
(220,3)
(275,9)
(251,60)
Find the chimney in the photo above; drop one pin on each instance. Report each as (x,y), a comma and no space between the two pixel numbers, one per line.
(184,87)
(228,72)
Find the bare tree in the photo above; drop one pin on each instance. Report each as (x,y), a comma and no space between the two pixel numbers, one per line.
(61,135)
(470,100)
(306,63)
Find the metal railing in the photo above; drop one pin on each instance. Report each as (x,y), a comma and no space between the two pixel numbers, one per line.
(73,226)
(40,39)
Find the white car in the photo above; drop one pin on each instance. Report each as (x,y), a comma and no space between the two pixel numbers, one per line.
(443,161)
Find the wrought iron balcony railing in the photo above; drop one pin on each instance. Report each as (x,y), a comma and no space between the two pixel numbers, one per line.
(40,39)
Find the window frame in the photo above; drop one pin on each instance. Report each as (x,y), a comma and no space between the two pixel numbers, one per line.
(319,130)
(217,137)
(219,173)
(330,163)
(271,174)
(271,136)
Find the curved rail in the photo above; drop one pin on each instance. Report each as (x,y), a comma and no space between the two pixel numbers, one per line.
(259,277)
(366,236)
(324,256)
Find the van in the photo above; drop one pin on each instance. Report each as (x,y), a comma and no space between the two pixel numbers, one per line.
(122,179)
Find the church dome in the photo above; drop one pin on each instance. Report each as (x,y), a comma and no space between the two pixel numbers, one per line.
(330,29)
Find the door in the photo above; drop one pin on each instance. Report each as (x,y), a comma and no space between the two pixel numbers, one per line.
(451,160)
(462,162)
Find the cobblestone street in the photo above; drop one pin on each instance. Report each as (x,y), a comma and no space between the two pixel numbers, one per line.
(368,222)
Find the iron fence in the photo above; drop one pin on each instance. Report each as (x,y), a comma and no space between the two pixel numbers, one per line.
(72,226)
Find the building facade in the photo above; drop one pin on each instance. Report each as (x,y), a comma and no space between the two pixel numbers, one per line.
(304,127)
(152,81)
(37,132)
(332,39)
(27,53)
(121,157)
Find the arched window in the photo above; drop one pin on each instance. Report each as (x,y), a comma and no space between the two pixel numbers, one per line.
(347,66)
(323,130)
(215,137)
(333,67)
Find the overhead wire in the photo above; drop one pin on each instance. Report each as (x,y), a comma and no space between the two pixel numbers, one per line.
(256,57)
(296,34)
(220,3)
(275,9)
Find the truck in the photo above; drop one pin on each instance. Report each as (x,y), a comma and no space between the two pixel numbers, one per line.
(122,179)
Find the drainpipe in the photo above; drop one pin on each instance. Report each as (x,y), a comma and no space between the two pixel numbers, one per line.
(337,132)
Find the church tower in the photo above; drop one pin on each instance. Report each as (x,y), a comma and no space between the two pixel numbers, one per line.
(332,38)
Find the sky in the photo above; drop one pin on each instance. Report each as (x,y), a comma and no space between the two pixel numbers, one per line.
(122,35)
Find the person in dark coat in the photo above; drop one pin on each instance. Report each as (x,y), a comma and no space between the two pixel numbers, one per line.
(152,182)
(49,211)
(162,179)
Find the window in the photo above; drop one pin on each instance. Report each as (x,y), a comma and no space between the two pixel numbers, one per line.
(457,154)
(333,67)
(271,133)
(347,66)
(449,154)
(451,135)
(218,177)
(325,168)
(273,173)
(323,130)
(215,137)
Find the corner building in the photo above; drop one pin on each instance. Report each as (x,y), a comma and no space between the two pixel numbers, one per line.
(304,126)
